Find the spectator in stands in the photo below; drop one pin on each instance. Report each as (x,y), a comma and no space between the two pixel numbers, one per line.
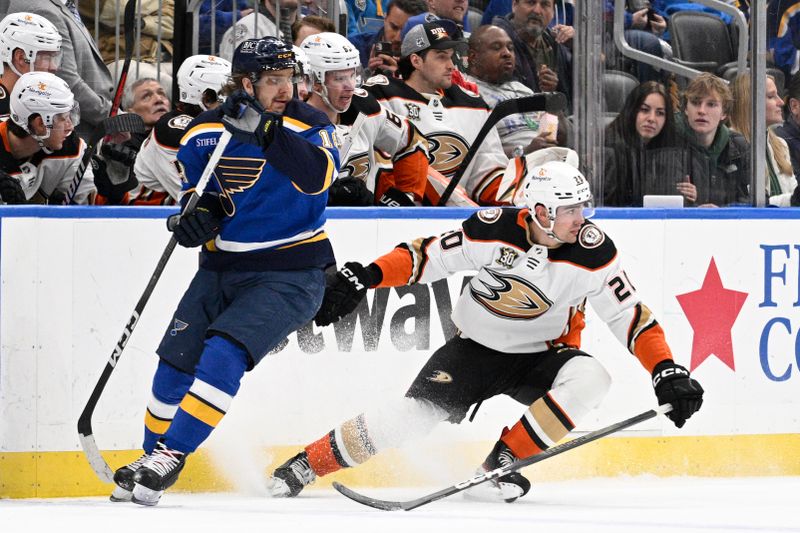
(542,63)
(220,13)
(310,25)
(28,43)
(719,159)
(261,24)
(114,169)
(643,29)
(82,66)
(200,82)
(384,160)
(790,130)
(780,178)
(448,116)
(39,146)
(491,67)
(385,61)
(643,155)
(360,12)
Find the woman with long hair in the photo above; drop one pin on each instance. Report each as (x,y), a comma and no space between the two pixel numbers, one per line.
(780,181)
(643,155)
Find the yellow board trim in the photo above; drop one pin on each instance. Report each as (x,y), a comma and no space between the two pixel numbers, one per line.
(201,411)
(68,474)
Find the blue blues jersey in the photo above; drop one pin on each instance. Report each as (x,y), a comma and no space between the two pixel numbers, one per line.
(273,200)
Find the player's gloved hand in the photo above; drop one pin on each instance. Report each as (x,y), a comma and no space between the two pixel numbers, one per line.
(248,121)
(113,192)
(11,192)
(199,226)
(56,197)
(673,385)
(344,290)
(121,153)
(395,198)
(350,191)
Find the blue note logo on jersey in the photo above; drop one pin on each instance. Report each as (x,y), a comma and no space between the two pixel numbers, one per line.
(235,175)
(177,326)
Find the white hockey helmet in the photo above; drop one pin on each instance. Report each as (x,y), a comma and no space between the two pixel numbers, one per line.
(329,52)
(43,94)
(557,184)
(33,34)
(302,60)
(200,73)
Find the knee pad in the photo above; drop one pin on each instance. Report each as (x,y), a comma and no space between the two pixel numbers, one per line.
(222,364)
(170,384)
(580,386)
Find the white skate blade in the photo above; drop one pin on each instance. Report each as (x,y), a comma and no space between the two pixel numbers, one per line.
(491,491)
(277,488)
(120,495)
(144,496)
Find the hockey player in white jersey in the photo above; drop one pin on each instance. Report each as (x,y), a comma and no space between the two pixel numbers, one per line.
(200,82)
(519,326)
(447,115)
(385,158)
(28,43)
(39,145)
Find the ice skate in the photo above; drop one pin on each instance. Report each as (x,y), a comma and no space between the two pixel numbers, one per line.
(123,477)
(291,477)
(158,472)
(505,488)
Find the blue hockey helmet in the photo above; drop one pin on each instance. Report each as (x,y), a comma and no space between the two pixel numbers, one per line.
(255,56)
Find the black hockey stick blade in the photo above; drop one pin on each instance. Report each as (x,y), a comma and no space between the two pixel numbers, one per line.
(129,23)
(127,122)
(550,102)
(385,505)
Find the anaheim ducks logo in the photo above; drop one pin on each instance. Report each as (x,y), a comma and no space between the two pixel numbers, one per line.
(512,297)
(447,151)
(357,167)
(235,175)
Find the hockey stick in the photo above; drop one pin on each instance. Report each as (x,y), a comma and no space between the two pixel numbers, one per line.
(385,505)
(129,23)
(127,122)
(550,102)
(85,434)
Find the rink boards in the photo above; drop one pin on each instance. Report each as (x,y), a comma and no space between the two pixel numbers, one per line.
(725,284)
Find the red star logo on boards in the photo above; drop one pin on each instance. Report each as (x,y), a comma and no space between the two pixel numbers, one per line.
(711,311)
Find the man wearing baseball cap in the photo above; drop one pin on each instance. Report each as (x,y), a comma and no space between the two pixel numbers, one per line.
(447,115)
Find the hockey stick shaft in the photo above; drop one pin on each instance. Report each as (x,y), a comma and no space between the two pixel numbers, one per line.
(129,23)
(499,472)
(127,122)
(550,102)
(85,434)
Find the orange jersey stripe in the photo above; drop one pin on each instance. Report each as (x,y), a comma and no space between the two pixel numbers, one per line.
(397,268)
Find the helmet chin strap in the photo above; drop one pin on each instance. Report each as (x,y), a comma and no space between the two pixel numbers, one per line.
(548,231)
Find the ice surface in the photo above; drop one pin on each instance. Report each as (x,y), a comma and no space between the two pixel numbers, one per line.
(626,505)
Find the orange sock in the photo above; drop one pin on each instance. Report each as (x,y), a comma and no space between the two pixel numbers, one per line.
(322,455)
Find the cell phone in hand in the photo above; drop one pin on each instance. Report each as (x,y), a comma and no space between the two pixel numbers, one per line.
(386,48)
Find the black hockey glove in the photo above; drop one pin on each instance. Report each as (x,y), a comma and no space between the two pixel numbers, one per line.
(344,290)
(350,192)
(673,385)
(248,121)
(56,197)
(199,226)
(11,192)
(113,192)
(395,198)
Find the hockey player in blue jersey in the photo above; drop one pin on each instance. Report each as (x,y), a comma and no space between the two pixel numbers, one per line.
(260,222)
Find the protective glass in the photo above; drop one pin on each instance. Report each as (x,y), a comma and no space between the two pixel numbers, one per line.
(46,61)
(73,116)
(586,209)
(274,80)
(344,79)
